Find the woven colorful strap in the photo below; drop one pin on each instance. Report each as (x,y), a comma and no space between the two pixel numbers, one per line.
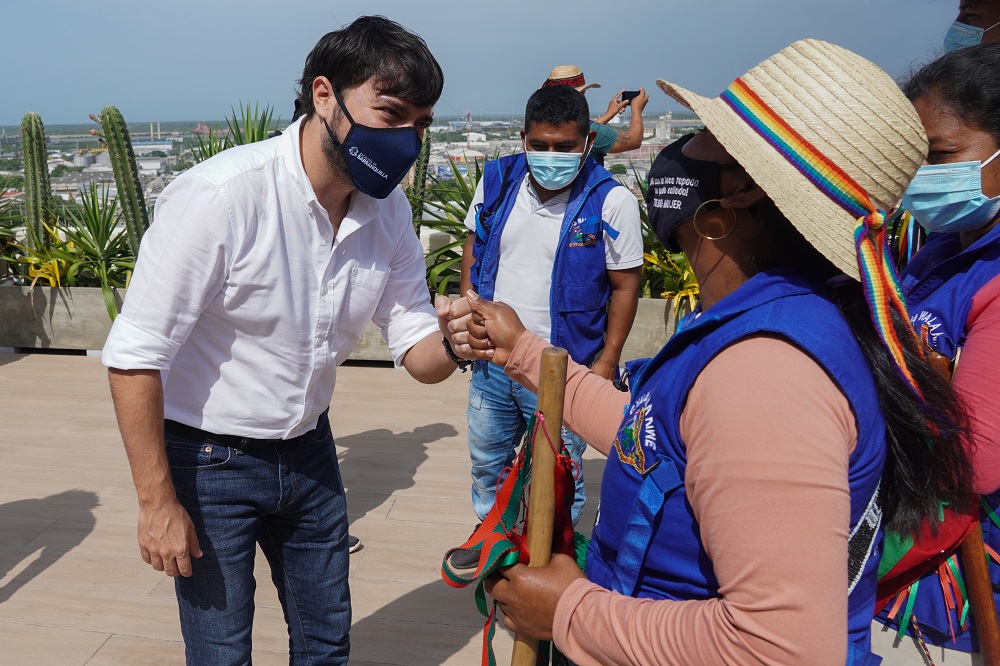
(500,537)
(878,274)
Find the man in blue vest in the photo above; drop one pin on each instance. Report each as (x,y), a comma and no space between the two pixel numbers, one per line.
(558,239)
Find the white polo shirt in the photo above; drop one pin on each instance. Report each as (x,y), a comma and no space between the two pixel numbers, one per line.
(245,301)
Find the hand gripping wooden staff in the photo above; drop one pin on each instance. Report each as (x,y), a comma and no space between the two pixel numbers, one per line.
(972,555)
(542,492)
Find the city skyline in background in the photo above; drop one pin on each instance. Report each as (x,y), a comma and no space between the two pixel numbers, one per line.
(198,60)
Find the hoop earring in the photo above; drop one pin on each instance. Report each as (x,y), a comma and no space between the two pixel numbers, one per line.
(694,221)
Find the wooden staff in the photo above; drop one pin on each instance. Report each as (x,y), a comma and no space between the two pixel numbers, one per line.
(542,492)
(972,555)
(979,587)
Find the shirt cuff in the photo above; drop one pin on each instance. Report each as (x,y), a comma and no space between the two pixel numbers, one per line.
(402,333)
(129,347)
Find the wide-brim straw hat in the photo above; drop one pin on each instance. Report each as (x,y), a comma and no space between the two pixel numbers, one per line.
(569,75)
(842,105)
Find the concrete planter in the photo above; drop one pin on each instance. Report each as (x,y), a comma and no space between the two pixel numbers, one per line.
(76,318)
(53,318)
(654,323)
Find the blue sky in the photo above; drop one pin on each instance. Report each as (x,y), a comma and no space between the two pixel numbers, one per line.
(193,60)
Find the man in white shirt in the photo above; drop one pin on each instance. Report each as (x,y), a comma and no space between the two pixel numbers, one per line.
(554,236)
(255,281)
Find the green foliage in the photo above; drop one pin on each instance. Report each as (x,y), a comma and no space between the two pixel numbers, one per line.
(130,195)
(443,207)
(98,254)
(418,189)
(84,250)
(10,164)
(10,214)
(618,169)
(209,146)
(248,126)
(37,191)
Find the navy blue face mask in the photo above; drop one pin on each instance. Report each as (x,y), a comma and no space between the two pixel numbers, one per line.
(678,185)
(377,157)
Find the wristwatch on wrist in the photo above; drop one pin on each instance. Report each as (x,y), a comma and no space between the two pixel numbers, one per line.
(462,363)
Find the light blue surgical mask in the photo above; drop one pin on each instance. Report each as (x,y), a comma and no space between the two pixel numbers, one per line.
(948,198)
(554,171)
(960,35)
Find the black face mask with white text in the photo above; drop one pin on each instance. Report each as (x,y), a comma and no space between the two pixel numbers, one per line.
(678,185)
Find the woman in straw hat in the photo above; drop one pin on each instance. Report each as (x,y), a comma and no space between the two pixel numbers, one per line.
(744,492)
(952,289)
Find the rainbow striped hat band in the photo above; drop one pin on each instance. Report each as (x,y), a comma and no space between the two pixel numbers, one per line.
(833,141)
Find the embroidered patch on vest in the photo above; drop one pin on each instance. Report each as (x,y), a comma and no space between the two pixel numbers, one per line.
(580,237)
(629,442)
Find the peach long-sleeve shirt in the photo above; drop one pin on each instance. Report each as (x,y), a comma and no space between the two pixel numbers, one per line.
(977,382)
(769,436)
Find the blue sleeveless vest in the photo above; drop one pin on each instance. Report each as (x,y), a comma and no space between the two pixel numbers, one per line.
(939,285)
(646,541)
(580,289)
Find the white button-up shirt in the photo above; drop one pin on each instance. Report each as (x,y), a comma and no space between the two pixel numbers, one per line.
(246,302)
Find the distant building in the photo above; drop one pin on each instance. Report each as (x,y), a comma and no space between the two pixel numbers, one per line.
(151,166)
(202,129)
(464,155)
(146,147)
(663,126)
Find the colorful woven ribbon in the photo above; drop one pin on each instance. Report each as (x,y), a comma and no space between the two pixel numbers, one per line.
(878,275)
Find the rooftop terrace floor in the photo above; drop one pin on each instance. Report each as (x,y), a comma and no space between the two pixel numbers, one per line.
(74,591)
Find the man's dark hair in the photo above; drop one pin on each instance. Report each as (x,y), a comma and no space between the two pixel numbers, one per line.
(967,82)
(373,47)
(557,105)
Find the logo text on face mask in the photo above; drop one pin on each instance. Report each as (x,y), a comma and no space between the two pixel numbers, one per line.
(367,161)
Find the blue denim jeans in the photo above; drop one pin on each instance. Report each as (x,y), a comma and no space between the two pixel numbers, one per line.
(498,413)
(288,498)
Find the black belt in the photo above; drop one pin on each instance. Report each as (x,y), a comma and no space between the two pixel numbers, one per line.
(190,432)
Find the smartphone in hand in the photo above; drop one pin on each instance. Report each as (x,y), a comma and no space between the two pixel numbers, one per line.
(629,95)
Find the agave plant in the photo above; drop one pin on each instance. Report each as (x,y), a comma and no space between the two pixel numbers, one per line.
(249,125)
(98,252)
(442,205)
(87,249)
(11,216)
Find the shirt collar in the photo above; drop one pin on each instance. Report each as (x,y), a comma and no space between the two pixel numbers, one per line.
(363,208)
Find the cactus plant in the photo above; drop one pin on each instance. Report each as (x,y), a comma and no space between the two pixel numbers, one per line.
(417,191)
(131,201)
(37,191)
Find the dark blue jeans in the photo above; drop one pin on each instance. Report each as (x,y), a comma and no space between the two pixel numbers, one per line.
(288,498)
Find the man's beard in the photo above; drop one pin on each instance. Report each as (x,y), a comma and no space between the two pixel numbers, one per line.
(334,154)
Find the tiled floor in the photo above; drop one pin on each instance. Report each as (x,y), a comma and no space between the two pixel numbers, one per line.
(74,592)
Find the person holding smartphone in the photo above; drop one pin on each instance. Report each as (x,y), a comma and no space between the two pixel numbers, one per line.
(608,139)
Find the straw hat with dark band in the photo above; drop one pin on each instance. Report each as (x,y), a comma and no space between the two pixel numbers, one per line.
(568,75)
(827,134)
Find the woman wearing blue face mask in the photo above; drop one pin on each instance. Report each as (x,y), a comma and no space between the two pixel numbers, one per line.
(952,290)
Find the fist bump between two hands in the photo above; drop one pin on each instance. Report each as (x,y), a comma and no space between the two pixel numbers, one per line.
(478,329)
